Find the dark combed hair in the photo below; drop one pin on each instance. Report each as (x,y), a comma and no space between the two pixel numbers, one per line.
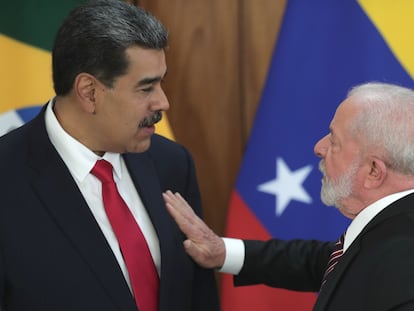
(93,39)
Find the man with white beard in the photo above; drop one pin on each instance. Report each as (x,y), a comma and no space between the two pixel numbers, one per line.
(367,161)
(334,190)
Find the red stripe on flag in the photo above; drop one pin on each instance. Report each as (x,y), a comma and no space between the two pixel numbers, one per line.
(241,223)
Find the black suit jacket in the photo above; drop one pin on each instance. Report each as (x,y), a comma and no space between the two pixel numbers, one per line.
(53,255)
(375,273)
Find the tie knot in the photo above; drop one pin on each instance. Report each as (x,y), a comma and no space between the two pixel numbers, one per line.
(103,171)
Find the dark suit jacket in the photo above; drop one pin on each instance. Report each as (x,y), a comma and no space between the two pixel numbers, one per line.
(376,272)
(53,255)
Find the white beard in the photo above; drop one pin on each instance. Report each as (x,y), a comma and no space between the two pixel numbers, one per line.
(334,191)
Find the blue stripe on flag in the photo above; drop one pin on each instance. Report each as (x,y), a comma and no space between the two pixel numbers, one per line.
(28,113)
(324,48)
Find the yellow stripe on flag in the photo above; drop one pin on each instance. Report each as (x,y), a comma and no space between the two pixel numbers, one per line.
(394,20)
(26,77)
(163,128)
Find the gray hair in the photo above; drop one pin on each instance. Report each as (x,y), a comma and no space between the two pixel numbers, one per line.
(385,123)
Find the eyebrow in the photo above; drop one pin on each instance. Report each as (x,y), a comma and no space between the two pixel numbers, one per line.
(332,133)
(147,81)
(150,80)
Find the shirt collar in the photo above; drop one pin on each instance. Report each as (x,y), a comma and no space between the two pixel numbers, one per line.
(78,158)
(368,213)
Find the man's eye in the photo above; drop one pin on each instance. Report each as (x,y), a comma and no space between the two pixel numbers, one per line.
(147,89)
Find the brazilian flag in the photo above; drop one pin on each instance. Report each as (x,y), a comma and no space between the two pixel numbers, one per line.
(27,30)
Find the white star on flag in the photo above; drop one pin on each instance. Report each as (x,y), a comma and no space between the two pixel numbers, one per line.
(287,186)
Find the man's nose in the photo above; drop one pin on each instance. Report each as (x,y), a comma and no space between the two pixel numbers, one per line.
(321,146)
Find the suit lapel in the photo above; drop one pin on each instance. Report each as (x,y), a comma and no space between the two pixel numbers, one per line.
(400,206)
(65,204)
(335,276)
(146,180)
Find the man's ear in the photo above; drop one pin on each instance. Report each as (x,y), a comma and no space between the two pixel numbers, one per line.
(377,173)
(85,87)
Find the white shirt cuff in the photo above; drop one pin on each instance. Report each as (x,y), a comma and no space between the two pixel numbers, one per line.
(234,259)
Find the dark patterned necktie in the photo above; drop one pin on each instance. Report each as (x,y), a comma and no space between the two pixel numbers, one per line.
(334,258)
(141,268)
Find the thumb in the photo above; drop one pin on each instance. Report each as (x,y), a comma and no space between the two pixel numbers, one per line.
(191,249)
(187,245)
(195,253)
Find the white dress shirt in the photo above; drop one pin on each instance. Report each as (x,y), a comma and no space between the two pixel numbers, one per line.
(235,251)
(368,213)
(80,161)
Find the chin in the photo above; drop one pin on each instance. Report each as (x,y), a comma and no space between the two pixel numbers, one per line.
(140,147)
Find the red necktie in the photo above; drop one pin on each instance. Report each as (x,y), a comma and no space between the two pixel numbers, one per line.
(141,269)
(334,258)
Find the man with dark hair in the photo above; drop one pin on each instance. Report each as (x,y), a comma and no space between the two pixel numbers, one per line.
(82,219)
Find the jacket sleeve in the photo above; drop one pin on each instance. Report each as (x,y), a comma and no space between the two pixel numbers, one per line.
(295,265)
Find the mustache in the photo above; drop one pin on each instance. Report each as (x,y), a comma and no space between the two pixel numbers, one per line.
(149,121)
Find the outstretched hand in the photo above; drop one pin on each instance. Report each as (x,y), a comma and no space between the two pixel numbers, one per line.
(202,244)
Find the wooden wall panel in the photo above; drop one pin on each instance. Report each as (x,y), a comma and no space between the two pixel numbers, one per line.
(260,23)
(217,62)
(203,89)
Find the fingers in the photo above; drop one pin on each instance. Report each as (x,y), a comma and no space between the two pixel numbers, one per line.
(178,199)
(203,245)
(177,205)
(188,222)
(182,213)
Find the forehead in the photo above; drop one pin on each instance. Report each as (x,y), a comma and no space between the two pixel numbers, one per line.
(146,61)
(344,115)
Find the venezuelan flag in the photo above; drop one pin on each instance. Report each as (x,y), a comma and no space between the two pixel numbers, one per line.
(324,48)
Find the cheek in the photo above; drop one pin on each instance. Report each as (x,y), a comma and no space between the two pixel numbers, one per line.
(136,110)
(130,111)
(130,115)
(333,167)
